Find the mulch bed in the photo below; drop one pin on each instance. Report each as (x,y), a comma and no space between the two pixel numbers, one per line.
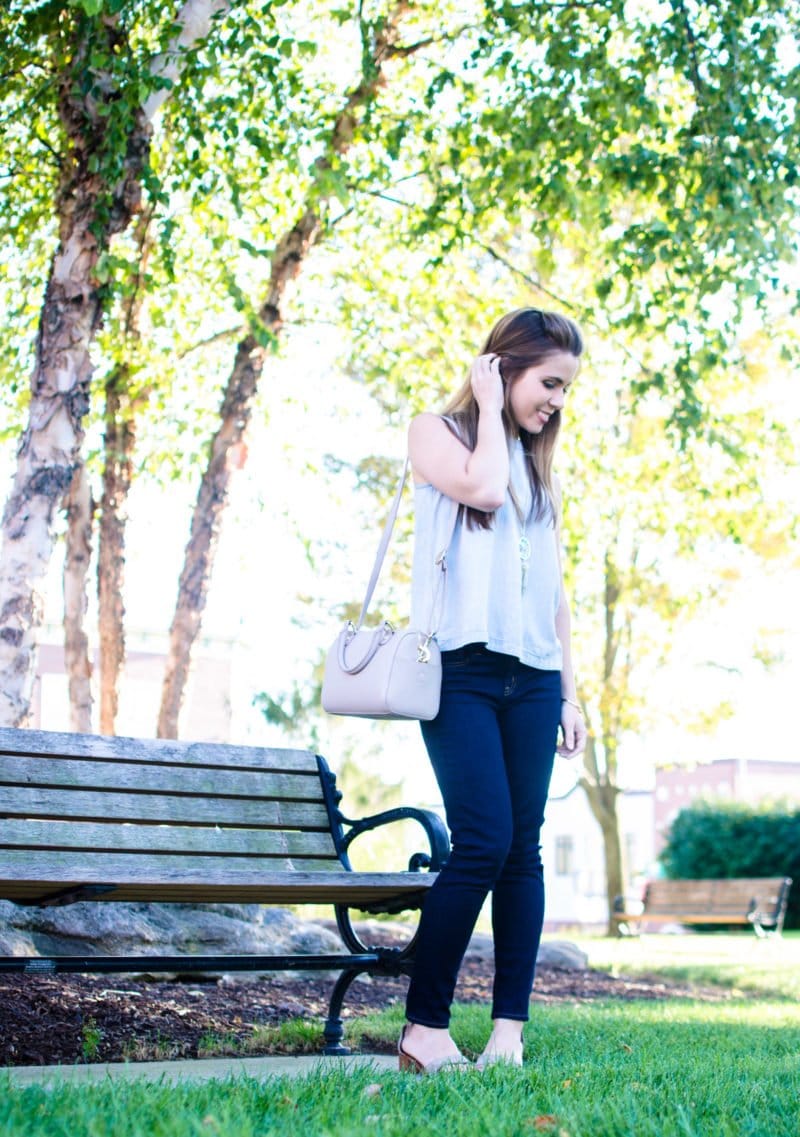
(45,1020)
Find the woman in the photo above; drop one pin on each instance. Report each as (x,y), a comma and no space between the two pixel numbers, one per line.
(507,684)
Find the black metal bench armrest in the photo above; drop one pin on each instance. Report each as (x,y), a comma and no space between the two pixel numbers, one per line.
(434,827)
(633,905)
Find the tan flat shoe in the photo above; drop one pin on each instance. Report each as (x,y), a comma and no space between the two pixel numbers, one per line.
(409,1063)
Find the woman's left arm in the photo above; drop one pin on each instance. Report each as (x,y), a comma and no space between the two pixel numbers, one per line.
(573,727)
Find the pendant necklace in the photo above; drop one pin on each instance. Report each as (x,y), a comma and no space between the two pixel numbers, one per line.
(524,556)
(524,547)
(524,544)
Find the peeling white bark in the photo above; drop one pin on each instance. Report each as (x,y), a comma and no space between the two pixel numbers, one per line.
(194,19)
(76,572)
(117,475)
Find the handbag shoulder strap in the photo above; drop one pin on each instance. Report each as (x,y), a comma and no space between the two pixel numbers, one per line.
(383,545)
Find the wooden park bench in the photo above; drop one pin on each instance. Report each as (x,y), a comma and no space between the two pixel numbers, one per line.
(84,817)
(758,901)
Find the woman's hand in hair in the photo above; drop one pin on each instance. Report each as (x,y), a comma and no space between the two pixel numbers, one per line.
(478,477)
(487,383)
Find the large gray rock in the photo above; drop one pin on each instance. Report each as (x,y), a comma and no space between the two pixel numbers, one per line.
(13,943)
(561,953)
(160,929)
(552,953)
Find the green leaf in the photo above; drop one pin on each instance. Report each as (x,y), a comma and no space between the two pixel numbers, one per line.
(90,7)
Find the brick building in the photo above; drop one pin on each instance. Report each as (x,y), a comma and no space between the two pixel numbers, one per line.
(726,779)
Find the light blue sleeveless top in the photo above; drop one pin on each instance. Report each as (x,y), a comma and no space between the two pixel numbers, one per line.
(484,599)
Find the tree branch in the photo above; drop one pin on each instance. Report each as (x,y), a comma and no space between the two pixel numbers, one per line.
(227,334)
(679,8)
(526,276)
(54,153)
(584,5)
(404,50)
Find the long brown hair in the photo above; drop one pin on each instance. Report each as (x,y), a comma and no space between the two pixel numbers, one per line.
(523,338)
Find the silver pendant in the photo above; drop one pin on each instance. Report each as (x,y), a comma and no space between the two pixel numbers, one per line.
(524,557)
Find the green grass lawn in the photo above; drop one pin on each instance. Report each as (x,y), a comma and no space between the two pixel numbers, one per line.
(678,1068)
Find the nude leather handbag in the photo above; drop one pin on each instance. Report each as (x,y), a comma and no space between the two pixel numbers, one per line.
(383,672)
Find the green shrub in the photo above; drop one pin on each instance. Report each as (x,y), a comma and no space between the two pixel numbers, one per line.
(728,839)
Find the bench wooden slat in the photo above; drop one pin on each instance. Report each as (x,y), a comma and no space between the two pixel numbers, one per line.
(163,810)
(687,892)
(362,899)
(95,837)
(104,868)
(237,885)
(158,750)
(203,781)
(764,890)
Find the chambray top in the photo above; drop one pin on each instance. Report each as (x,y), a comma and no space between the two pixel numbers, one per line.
(484,601)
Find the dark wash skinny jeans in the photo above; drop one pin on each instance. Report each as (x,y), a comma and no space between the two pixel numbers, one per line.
(492,747)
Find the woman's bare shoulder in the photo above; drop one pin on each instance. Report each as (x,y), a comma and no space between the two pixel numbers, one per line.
(432,429)
(427,420)
(431,442)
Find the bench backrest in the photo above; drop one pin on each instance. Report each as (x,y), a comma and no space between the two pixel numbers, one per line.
(735,896)
(71,798)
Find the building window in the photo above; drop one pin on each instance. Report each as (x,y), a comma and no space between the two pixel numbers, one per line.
(565,856)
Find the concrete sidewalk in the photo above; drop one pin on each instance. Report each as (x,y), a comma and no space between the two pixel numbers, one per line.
(195,1070)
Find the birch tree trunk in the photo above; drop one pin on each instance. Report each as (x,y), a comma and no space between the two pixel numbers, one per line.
(121,408)
(76,567)
(118,445)
(90,212)
(286,264)
(51,443)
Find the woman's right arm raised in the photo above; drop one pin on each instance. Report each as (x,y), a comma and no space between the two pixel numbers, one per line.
(479,477)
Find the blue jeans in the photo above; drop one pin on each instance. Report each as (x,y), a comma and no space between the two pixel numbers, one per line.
(492,747)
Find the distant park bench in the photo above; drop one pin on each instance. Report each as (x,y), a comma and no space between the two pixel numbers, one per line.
(90,818)
(758,901)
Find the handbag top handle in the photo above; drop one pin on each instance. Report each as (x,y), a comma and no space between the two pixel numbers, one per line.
(383,545)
